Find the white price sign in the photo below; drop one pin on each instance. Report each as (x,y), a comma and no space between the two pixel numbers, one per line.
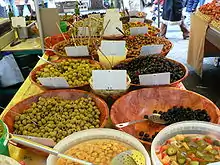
(155,79)
(139,30)
(133,13)
(54,82)
(18,21)
(83,31)
(151,49)
(77,51)
(109,79)
(113,48)
(136,19)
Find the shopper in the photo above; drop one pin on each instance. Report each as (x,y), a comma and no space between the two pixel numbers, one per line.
(20,5)
(191,8)
(172,14)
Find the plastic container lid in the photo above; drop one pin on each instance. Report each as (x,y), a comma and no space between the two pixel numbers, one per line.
(186,127)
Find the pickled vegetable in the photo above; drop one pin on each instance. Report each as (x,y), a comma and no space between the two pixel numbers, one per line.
(190,150)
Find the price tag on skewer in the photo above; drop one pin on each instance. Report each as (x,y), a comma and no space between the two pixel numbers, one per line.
(139,30)
(113,48)
(109,79)
(151,49)
(77,51)
(83,31)
(137,20)
(155,79)
(54,82)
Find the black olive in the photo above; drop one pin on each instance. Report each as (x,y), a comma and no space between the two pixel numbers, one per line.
(141,133)
(145,116)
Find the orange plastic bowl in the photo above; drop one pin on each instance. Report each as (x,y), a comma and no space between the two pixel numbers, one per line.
(33,72)
(136,104)
(70,94)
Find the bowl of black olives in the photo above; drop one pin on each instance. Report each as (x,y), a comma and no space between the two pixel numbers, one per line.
(76,71)
(150,65)
(56,114)
(171,104)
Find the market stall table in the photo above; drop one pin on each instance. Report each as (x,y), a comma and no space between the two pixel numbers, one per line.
(204,41)
(28,89)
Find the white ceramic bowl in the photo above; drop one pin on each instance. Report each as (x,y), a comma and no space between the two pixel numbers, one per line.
(5,160)
(186,127)
(99,133)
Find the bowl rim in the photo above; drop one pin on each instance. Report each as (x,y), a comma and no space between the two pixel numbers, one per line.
(178,124)
(104,132)
(171,84)
(170,88)
(32,74)
(69,91)
(54,47)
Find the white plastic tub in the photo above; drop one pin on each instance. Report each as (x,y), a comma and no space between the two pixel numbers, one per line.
(186,127)
(99,133)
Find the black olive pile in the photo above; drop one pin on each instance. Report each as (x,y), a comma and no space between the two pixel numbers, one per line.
(150,65)
(146,137)
(178,114)
(57,118)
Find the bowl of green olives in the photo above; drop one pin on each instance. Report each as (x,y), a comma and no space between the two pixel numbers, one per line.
(56,114)
(151,65)
(76,71)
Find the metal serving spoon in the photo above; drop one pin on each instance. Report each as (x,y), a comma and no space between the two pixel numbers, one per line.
(46,149)
(155,118)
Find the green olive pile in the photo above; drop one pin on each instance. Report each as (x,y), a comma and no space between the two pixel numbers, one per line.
(57,118)
(76,72)
(149,65)
(1,130)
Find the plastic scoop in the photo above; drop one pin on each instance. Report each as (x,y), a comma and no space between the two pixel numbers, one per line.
(155,118)
(130,157)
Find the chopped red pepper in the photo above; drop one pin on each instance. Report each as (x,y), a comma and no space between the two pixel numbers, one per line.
(208,140)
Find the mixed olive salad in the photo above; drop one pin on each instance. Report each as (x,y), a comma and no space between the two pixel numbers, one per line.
(189,150)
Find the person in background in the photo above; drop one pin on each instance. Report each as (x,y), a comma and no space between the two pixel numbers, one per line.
(172,14)
(154,9)
(191,8)
(20,5)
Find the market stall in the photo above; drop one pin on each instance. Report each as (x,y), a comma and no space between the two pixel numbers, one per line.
(204,35)
(64,102)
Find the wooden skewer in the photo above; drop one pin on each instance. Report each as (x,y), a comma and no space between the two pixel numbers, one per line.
(103,54)
(61,31)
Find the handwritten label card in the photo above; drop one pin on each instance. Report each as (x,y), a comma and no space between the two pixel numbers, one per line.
(113,48)
(18,21)
(155,79)
(83,31)
(136,19)
(109,79)
(77,51)
(54,82)
(139,30)
(151,49)
(133,13)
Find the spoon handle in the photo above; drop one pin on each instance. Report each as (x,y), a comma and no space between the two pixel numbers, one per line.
(46,149)
(122,125)
(52,63)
